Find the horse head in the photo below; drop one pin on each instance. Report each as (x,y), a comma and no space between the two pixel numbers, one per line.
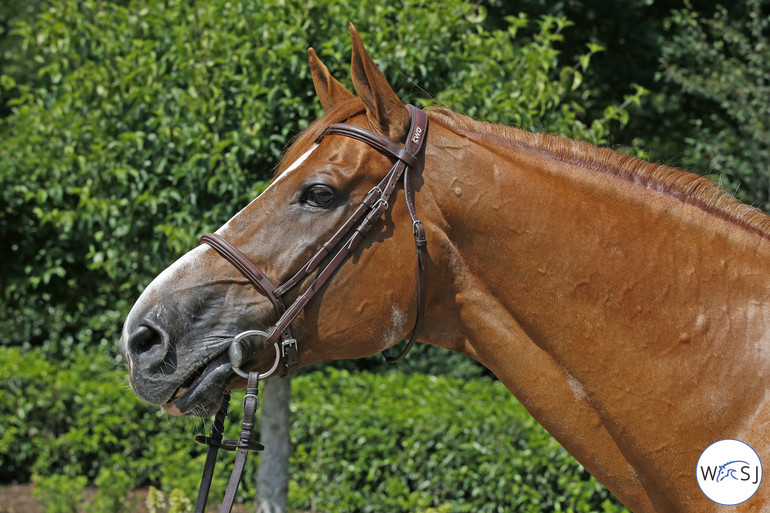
(177,336)
(729,470)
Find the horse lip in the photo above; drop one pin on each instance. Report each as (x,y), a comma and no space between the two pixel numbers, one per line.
(214,377)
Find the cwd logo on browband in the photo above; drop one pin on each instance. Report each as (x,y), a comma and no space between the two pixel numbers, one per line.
(417,135)
(729,472)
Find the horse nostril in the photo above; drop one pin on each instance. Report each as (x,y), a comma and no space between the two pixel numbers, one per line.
(143,340)
(150,352)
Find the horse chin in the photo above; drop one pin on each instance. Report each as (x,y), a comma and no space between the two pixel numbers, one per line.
(203,396)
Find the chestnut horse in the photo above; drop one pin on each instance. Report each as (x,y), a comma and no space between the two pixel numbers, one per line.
(625,304)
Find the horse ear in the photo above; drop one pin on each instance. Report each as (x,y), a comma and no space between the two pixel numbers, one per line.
(330,92)
(384,109)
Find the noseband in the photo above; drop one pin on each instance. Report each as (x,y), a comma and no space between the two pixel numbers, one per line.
(344,241)
(334,252)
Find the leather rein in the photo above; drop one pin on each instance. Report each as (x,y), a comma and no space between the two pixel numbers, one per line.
(334,251)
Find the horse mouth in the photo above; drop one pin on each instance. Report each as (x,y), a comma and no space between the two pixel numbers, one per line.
(202,392)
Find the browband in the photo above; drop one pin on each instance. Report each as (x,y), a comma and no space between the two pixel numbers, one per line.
(346,239)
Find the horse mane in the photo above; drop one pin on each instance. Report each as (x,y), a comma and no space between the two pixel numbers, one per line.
(686,187)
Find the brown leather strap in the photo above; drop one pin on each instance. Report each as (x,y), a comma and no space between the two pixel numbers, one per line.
(379,142)
(242,446)
(345,241)
(415,144)
(328,247)
(245,266)
(347,238)
(414,147)
(350,245)
(213,441)
(250,403)
(258,279)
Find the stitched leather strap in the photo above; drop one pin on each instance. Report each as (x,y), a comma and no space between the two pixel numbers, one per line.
(414,147)
(379,142)
(213,441)
(347,238)
(250,403)
(257,278)
(241,446)
(247,268)
(345,241)
(415,144)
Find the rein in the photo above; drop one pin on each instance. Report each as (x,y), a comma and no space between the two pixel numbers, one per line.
(344,242)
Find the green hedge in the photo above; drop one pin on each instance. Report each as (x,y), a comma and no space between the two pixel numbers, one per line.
(388,443)
(361,442)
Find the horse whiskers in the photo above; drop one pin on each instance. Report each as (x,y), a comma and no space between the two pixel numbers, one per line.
(196,418)
(186,424)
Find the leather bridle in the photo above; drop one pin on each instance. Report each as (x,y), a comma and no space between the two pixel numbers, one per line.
(345,240)
(333,253)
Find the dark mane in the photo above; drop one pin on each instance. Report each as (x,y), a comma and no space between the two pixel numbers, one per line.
(687,187)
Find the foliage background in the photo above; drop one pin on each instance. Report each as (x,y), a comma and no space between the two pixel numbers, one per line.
(362,441)
(127,128)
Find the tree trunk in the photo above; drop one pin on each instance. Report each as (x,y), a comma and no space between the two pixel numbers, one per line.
(273,471)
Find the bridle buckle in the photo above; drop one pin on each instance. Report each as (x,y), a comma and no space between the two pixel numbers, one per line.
(288,344)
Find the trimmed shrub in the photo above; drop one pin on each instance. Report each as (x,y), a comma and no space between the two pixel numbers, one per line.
(361,442)
(374,443)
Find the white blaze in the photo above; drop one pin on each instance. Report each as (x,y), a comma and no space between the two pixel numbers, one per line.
(186,264)
(288,170)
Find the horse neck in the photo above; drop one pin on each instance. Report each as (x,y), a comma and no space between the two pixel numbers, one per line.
(601,300)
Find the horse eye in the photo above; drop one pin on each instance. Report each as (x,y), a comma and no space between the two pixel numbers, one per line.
(319,196)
